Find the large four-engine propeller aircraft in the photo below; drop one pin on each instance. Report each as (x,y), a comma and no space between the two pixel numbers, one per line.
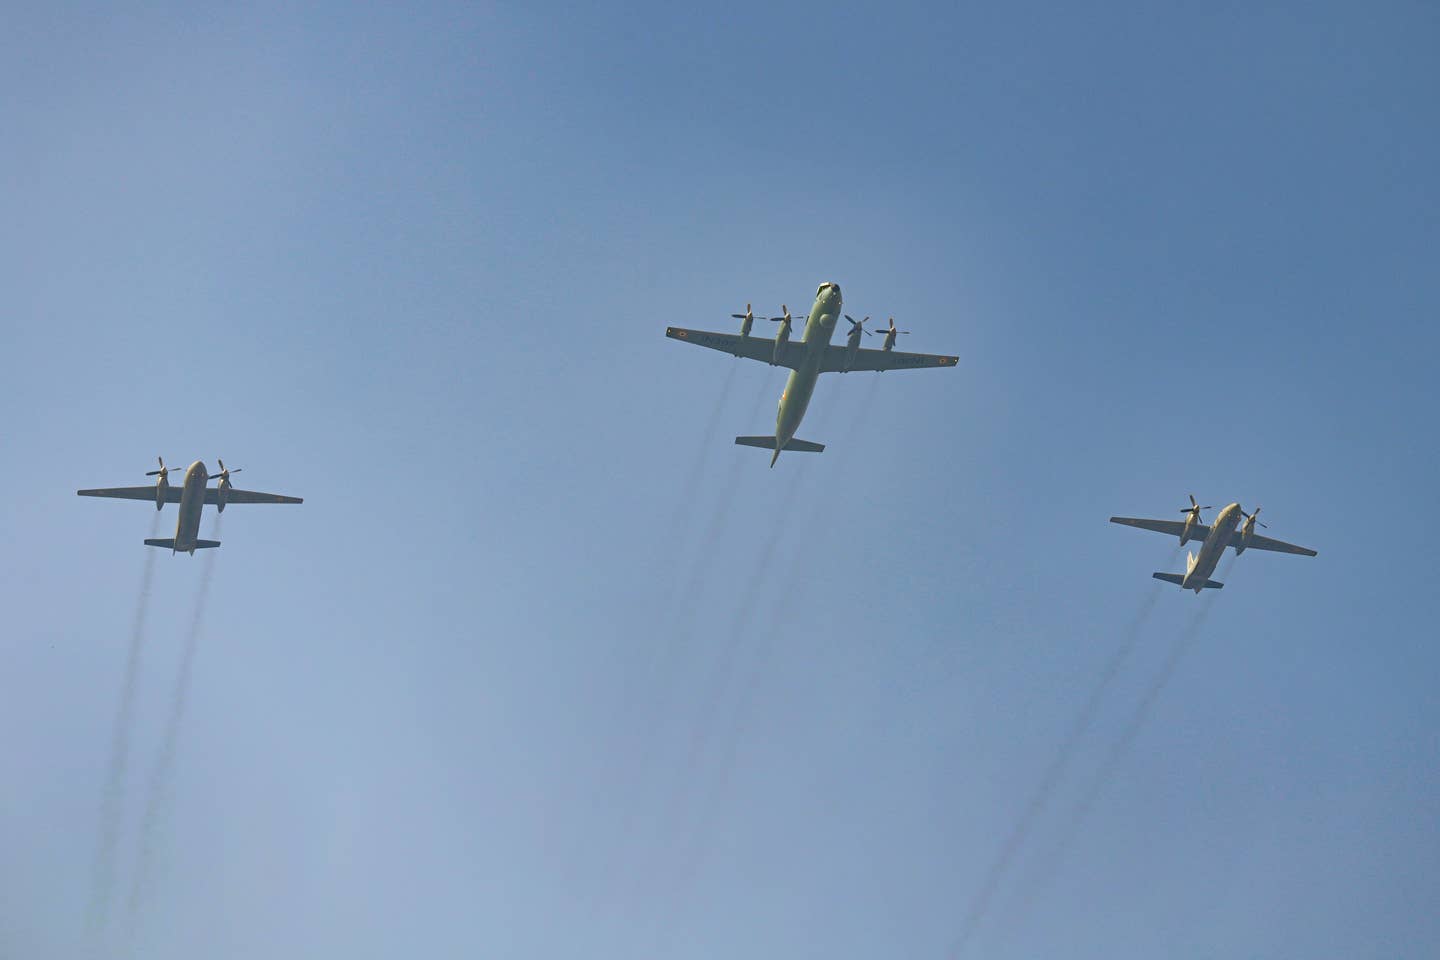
(807,358)
(1215,538)
(192,495)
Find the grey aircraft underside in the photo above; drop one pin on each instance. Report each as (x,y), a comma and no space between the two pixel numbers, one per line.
(191,495)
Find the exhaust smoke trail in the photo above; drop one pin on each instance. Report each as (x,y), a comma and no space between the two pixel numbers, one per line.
(689,794)
(1050,781)
(112,800)
(743,615)
(653,683)
(1110,766)
(163,772)
(862,416)
(707,438)
(705,551)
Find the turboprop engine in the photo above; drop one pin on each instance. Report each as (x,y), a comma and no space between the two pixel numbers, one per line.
(852,341)
(1247,530)
(222,490)
(162,485)
(1192,520)
(747,319)
(857,327)
(890,336)
(783,334)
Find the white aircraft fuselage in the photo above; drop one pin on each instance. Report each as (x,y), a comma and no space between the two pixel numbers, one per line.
(800,387)
(1202,565)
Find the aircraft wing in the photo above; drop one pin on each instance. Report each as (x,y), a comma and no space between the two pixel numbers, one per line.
(1171,528)
(247,496)
(147,492)
(756,348)
(1258,542)
(834,360)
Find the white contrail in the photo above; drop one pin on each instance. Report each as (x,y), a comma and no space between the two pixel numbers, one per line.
(112,801)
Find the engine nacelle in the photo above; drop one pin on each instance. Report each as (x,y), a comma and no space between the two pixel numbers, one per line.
(162,489)
(1246,531)
(782,336)
(222,492)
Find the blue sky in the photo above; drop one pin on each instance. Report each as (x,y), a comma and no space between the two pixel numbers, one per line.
(544,664)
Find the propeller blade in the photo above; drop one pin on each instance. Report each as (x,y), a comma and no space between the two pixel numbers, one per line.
(154,473)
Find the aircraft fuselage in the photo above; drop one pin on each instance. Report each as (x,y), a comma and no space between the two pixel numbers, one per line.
(1213,548)
(800,386)
(192,501)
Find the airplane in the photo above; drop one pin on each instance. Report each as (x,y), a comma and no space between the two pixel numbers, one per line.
(807,359)
(1215,538)
(192,495)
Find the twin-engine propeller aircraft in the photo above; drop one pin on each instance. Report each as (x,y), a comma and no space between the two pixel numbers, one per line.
(192,495)
(1216,537)
(807,359)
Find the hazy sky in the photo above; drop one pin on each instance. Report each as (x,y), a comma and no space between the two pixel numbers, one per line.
(545,666)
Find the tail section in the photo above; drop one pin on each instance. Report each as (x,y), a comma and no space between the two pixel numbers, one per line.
(1179,581)
(170,543)
(768,443)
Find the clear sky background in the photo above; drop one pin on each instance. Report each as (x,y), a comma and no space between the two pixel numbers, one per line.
(545,666)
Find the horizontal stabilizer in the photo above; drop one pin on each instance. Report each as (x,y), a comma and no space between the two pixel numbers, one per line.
(170,542)
(768,443)
(1179,581)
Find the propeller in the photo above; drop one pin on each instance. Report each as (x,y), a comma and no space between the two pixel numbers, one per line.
(1250,518)
(162,473)
(1195,508)
(858,324)
(224,475)
(786,319)
(747,315)
(892,331)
